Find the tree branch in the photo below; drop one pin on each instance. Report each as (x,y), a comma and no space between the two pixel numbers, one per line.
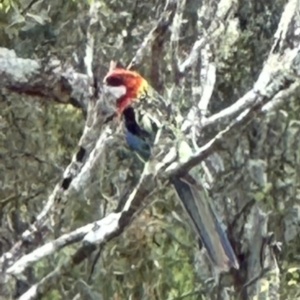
(156,33)
(279,78)
(47,79)
(89,145)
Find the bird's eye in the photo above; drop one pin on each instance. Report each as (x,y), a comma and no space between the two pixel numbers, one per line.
(114,81)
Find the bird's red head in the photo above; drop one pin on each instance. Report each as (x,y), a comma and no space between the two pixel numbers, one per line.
(126,86)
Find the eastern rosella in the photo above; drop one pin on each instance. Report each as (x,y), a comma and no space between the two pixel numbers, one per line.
(143,115)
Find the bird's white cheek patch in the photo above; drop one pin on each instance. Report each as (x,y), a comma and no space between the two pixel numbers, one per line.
(116,91)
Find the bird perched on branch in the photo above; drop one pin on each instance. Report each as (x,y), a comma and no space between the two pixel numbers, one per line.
(147,121)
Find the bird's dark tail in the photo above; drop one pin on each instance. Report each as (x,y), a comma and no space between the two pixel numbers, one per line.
(205,221)
(193,198)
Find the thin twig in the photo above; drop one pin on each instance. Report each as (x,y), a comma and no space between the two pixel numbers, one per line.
(157,32)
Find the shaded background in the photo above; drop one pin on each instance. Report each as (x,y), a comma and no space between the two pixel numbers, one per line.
(157,257)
